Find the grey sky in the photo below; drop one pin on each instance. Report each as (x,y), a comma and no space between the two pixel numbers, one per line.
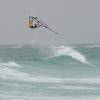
(77,20)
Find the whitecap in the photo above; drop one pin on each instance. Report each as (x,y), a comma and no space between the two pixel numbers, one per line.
(64,50)
(10,64)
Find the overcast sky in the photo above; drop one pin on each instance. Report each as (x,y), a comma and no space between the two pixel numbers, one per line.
(78,21)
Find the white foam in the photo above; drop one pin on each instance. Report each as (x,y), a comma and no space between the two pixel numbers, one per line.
(34,96)
(14,73)
(10,64)
(45,96)
(64,50)
(72,87)
(9,73)
(17,46)
(92,46)
(83,80)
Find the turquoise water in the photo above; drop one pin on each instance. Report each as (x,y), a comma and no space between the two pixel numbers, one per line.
(41,72)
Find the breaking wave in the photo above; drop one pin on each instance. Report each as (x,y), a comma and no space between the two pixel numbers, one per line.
(44,51)
(68,51)
(14,73)
(10,64)
(10,71)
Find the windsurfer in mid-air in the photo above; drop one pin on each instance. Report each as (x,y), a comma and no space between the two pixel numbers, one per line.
(35,22)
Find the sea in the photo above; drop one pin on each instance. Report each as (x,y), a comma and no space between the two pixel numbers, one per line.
(50,72)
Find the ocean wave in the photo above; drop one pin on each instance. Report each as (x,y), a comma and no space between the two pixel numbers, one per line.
(10,64)
(92,46)
(15,74)
(72,87)
(9,73)
(45,52)
(68,51)
(33,96)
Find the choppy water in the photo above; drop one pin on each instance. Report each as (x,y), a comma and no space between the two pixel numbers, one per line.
(41,72)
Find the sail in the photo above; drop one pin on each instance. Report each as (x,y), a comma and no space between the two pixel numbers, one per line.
(35,22)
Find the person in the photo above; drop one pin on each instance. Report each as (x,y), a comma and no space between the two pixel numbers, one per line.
(34,24)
